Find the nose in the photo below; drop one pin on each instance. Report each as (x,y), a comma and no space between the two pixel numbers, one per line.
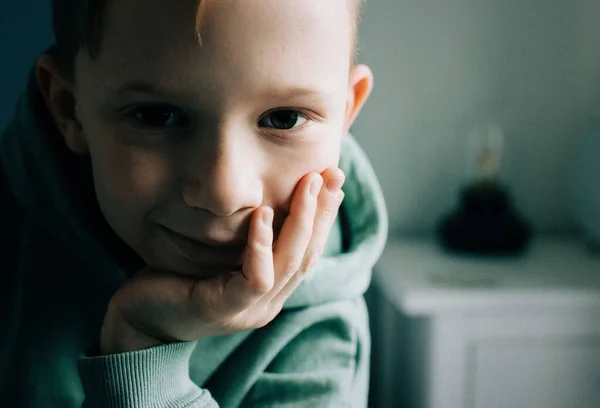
(223,173)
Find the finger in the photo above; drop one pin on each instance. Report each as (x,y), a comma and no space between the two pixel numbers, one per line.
(258,264)
(233,292)
(296,230)
(327,208)
(258,274)
(329,201)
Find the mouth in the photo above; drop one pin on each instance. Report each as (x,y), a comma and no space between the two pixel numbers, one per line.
(214,254)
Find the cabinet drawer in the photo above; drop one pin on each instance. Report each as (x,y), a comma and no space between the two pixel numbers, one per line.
(535,374)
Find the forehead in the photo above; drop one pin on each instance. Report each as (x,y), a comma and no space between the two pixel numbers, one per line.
(305,40)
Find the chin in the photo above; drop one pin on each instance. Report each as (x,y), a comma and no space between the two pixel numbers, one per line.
(184,267)
(161,259)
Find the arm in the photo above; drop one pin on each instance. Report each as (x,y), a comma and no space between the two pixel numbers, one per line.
(315,357)
(157,376)
(155,313)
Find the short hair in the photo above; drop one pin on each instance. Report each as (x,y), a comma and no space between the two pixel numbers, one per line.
(78,24)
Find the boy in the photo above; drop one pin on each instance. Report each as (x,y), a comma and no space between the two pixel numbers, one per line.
(171,184)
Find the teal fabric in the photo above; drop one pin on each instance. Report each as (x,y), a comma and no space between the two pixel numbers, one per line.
(63,263)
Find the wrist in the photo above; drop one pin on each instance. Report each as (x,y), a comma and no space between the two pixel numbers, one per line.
(118,336)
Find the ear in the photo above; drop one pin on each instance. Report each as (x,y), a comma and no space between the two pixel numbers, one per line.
(60,100)
(360,85)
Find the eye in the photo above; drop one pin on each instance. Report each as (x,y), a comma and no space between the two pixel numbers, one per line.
(158,116)
(284,119)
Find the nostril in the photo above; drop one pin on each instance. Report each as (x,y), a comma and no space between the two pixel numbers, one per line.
(220,201)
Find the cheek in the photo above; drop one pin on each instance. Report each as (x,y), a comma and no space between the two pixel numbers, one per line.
(289,167)
(129,183)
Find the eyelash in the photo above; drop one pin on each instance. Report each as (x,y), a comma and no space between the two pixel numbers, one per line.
(182,119)
(300,113)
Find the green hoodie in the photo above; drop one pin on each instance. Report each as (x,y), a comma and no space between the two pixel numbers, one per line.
(62,263)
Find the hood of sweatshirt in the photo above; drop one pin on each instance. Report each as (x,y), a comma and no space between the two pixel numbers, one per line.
(54,187)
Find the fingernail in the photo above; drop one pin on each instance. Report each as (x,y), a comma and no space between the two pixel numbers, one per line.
(267,217)
(335,184)
(315,187)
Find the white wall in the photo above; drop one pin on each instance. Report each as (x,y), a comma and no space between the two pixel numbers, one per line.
(443,66)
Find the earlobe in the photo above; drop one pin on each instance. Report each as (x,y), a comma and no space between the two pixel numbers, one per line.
(60,100)
(360,86)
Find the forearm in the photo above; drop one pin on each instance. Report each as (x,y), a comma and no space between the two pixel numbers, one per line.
(157,376)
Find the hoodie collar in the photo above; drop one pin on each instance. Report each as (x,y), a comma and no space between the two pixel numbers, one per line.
(54,187)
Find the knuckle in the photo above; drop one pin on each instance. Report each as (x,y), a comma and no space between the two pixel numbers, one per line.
(268,314)
(261,286)
(307,230)
(306,217)
(328,211)
(260,323)
(259,247)
(312,259)
(291,267)
(332,205)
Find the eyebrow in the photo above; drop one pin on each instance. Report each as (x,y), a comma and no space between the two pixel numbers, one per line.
(149,88)
(138,87)
(293,93)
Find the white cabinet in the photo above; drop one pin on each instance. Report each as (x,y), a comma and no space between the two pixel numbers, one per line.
(462,332)
(549,374)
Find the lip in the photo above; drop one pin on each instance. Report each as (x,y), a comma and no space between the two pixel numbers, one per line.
(226,255)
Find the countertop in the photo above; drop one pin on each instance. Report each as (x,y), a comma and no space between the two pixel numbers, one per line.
(420,278)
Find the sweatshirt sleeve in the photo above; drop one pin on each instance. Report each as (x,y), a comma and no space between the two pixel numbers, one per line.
(153,377)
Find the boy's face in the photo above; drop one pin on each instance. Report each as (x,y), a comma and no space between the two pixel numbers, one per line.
(192,138)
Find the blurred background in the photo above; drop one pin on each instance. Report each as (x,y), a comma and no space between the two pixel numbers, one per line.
(460,330)
(442,67)
(456,329)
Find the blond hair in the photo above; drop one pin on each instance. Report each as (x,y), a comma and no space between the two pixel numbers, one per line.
(78,24)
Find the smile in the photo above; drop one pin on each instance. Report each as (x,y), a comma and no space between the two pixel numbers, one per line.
(205,254)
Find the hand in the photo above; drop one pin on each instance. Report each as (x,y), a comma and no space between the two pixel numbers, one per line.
(157,307)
